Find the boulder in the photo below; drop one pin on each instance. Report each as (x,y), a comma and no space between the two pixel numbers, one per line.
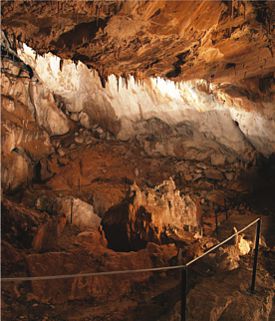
(214,174)
(226,297)
(76,211)
(79,213)
(217,159)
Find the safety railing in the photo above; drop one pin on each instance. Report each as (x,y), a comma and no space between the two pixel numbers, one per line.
(184,268)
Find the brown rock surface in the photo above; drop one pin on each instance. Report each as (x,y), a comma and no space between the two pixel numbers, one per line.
(225,113)
(229,44)
(20,224)
(225,44)
(226,297)
(214,174)
(217,197)
(94,257)
(229,300)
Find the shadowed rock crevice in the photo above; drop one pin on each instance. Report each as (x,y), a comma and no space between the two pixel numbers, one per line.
(80,35)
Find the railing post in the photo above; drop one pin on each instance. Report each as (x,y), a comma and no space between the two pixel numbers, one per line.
(184,294)
(257,241)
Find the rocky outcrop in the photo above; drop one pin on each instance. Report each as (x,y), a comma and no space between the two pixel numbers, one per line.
(158,215)
(94,257)
(228,299)
(79,213)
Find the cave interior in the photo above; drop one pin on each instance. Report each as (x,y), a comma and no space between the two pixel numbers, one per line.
(137,135)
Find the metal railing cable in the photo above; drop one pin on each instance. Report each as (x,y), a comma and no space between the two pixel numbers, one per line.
(222,243)
(183,268)
(69,276)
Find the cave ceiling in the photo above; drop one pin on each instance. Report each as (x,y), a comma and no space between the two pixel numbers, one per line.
(181,40)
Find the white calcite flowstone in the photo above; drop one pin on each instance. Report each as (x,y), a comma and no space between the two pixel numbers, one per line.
(16,171)
(199,124)
(257,128)
(30,116)
(48,114)
(244,246)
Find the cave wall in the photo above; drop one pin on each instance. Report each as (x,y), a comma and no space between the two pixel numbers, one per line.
(191,79)
(29,117)
(190,119)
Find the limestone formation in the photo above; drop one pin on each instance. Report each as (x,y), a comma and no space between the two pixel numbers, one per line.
(157,214)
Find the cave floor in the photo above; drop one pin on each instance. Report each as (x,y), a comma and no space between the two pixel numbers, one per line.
(100,173)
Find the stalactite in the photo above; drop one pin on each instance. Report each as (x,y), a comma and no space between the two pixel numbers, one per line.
(117,83)
(102,80)
(60,64)
(75,62)
(126,82)
(135,77)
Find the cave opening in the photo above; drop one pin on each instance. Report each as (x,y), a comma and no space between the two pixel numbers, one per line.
(136,135)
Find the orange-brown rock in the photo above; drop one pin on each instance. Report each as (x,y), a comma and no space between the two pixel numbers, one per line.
(19,223)
(216,40)
(94,258)
(48,233)
(154,215)
(12,260)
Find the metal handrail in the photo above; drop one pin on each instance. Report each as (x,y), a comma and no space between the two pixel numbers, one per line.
(184,274)
(221,243)
(184,268)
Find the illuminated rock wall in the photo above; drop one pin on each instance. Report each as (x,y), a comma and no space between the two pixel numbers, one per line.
(189,119)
